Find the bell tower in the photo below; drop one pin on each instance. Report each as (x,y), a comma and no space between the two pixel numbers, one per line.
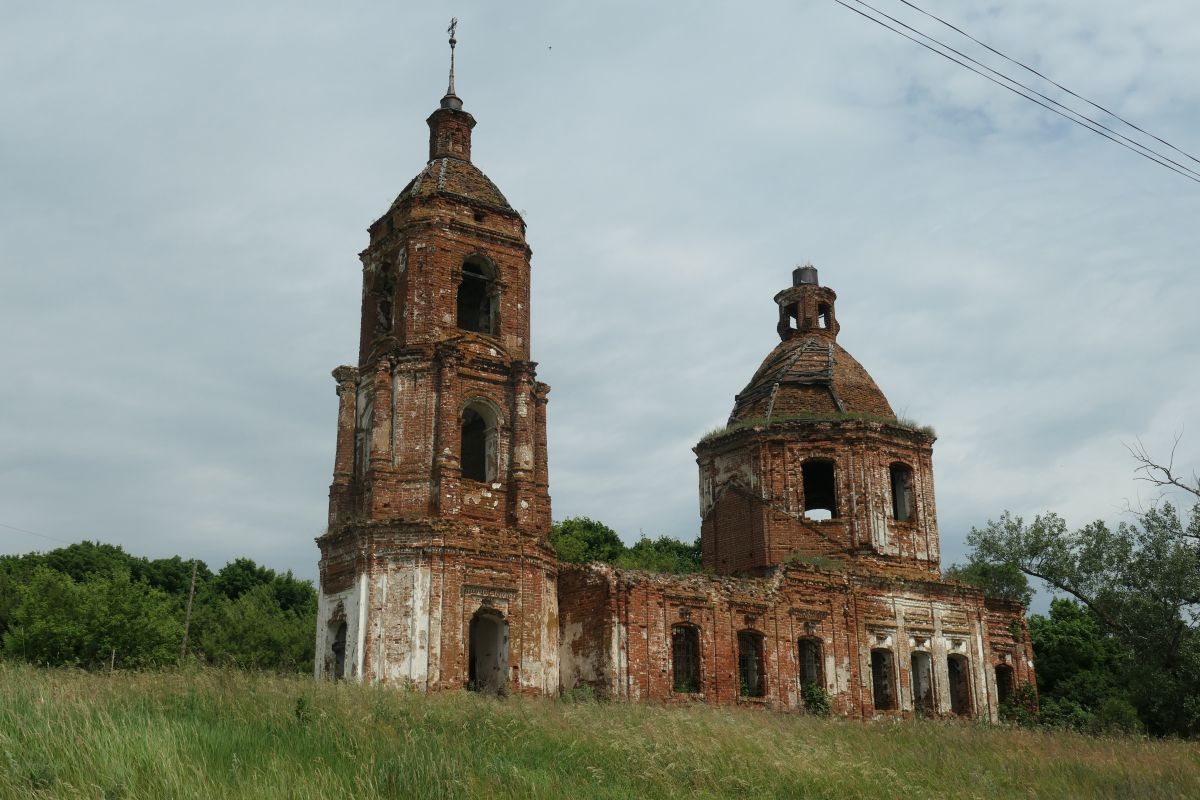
(436,560)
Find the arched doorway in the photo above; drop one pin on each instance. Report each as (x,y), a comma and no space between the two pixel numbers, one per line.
(487,658)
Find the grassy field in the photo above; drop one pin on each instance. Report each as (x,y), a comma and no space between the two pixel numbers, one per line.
(215,734)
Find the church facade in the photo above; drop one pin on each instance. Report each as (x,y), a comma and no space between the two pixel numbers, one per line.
(819,532)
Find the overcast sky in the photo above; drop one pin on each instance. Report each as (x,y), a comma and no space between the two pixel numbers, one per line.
(184,190)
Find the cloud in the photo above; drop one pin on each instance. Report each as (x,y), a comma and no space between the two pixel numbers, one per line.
(186,191)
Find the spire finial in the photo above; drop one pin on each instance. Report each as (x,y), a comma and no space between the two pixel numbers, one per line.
(451,100)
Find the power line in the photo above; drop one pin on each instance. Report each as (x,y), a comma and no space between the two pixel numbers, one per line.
(1028,68)
(1026,87)
(1086,122)
(34,533)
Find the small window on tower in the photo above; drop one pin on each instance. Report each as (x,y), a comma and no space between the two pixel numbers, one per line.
(820,495)
(824,317)
(477,293)
(902,492)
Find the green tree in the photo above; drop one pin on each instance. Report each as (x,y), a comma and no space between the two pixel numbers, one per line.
(1002,580)
(240,576)
(1081,671)
(255,631)
(1140,582)
(663,554)
(580,540)
(104,619)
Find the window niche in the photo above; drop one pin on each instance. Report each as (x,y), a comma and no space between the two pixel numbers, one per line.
(820,493)
(337,649)
(479,451)
(478,294)
(958,674)
(922,681)
(364,411)
(685,659)
(903,505)
(1006,684)
(810,662)
(752,679)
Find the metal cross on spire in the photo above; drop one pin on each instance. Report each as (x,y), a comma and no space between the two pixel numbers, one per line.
(453,27)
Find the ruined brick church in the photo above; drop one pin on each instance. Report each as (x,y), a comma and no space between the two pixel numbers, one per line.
(819,534)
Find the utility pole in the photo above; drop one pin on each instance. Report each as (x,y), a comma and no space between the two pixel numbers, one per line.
(187,617)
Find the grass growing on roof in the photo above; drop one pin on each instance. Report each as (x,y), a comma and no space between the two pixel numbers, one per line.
(762,422)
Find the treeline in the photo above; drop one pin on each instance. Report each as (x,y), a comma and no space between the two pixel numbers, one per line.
(1120,648)
(94,605)
(579,540)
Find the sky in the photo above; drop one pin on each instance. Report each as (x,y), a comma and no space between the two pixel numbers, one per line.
(184,191)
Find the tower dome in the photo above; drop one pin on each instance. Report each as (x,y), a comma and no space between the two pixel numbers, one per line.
(809,374)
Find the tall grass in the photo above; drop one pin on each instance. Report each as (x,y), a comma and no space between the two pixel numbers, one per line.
(215,734)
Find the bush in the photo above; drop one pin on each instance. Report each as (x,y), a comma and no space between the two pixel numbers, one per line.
(1021,707)
(816,699)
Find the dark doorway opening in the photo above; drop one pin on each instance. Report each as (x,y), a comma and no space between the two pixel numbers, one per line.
(487,658)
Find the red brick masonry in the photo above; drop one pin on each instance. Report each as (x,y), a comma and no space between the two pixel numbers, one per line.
(819,530)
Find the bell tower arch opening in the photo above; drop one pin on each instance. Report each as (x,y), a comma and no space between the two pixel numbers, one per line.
(479,453)
(477,296)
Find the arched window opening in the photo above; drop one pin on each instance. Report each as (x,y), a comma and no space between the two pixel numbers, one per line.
(959,677)
(477,297)
(685,659)
(824,316)
(793,312)
(902,492)
(882,681)
(478,455)
(820,495)
(922,681)
(338,651)
(810,663)
(1006,684)
(487,657)
(752,679)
